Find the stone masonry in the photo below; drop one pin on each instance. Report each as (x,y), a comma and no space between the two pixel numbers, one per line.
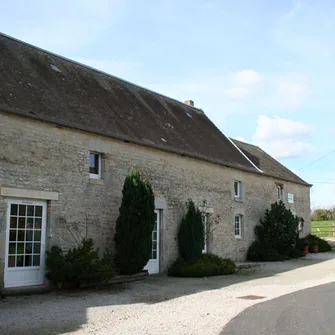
(39,156)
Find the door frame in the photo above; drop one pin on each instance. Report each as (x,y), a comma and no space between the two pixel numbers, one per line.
(158,212)
(34,202)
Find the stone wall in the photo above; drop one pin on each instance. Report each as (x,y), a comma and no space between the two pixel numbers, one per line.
(44,157)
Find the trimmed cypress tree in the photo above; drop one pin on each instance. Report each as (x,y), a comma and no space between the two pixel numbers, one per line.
(191,234)
(133,236)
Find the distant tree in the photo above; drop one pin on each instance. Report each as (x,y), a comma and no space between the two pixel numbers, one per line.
(191,233)
(323,214)
(133,236)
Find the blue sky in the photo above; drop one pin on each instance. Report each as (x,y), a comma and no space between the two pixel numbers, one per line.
(261,70)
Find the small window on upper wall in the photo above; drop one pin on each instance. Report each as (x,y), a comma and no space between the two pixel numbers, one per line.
(280,192)
(237,190)
(95,165)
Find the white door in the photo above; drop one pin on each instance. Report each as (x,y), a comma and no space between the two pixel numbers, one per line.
(25,244)
(153,264)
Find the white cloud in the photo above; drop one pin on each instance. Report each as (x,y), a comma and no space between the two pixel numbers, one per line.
(236,92)
(277,128)
(283,138)
(247,77)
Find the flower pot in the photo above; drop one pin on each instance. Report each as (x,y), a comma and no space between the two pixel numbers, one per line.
(315,248)
(306,250)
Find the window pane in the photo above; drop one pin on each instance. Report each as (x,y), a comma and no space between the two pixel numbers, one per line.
(38,211)
(154,245)
(38,223)
(13,209)
(94,163)
(11,261)
(20,235)
(36,261)
(30,211)
(12,235)
(236,188)
(20,249)
(154,235)
(22,210)
(30,223)
(28,260)
(37,235)
(22,223)
(13,222)
(29,248)
(12,248)
(19,261)
(37,248)
(92,160)
(29,235)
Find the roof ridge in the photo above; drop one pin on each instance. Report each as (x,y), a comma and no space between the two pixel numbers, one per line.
(254,145)
(101,72)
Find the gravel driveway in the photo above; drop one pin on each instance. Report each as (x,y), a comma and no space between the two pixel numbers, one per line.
(161,305)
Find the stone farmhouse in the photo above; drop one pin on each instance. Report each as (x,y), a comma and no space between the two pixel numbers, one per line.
(70,133)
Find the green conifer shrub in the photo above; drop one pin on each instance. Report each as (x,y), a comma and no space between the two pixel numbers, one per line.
(133,236)
(191,234)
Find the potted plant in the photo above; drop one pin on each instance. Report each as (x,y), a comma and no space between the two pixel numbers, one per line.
(315,246)
(306,246)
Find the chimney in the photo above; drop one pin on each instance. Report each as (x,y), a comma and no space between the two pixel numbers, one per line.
(189,102)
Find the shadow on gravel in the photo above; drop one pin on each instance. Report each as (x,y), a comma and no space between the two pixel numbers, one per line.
(62,312)
(307,312)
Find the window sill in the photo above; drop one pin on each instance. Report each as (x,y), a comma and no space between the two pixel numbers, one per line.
(96,181)
(238,237)
(238,200)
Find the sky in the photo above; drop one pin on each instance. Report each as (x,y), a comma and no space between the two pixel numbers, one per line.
(261,70)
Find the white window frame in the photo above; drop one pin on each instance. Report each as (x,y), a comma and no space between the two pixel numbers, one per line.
(280,192)
(204,223)
(239,221)
(239,189)
(98,175)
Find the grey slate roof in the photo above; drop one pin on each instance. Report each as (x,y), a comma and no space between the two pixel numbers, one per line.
(267,164)
(39,84)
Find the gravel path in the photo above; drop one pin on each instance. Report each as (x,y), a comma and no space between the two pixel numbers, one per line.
(161,305)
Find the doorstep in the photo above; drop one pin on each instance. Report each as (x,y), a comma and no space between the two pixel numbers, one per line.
(26,290)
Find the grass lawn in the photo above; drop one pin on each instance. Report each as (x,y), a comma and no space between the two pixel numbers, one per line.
(320,228)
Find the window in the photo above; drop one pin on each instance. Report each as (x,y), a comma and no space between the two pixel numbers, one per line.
(301,224)
(279,191)
(205,223)
(237,189)
(95,165)
(238,226)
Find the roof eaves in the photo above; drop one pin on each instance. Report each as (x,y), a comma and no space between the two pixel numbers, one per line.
(122,138)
